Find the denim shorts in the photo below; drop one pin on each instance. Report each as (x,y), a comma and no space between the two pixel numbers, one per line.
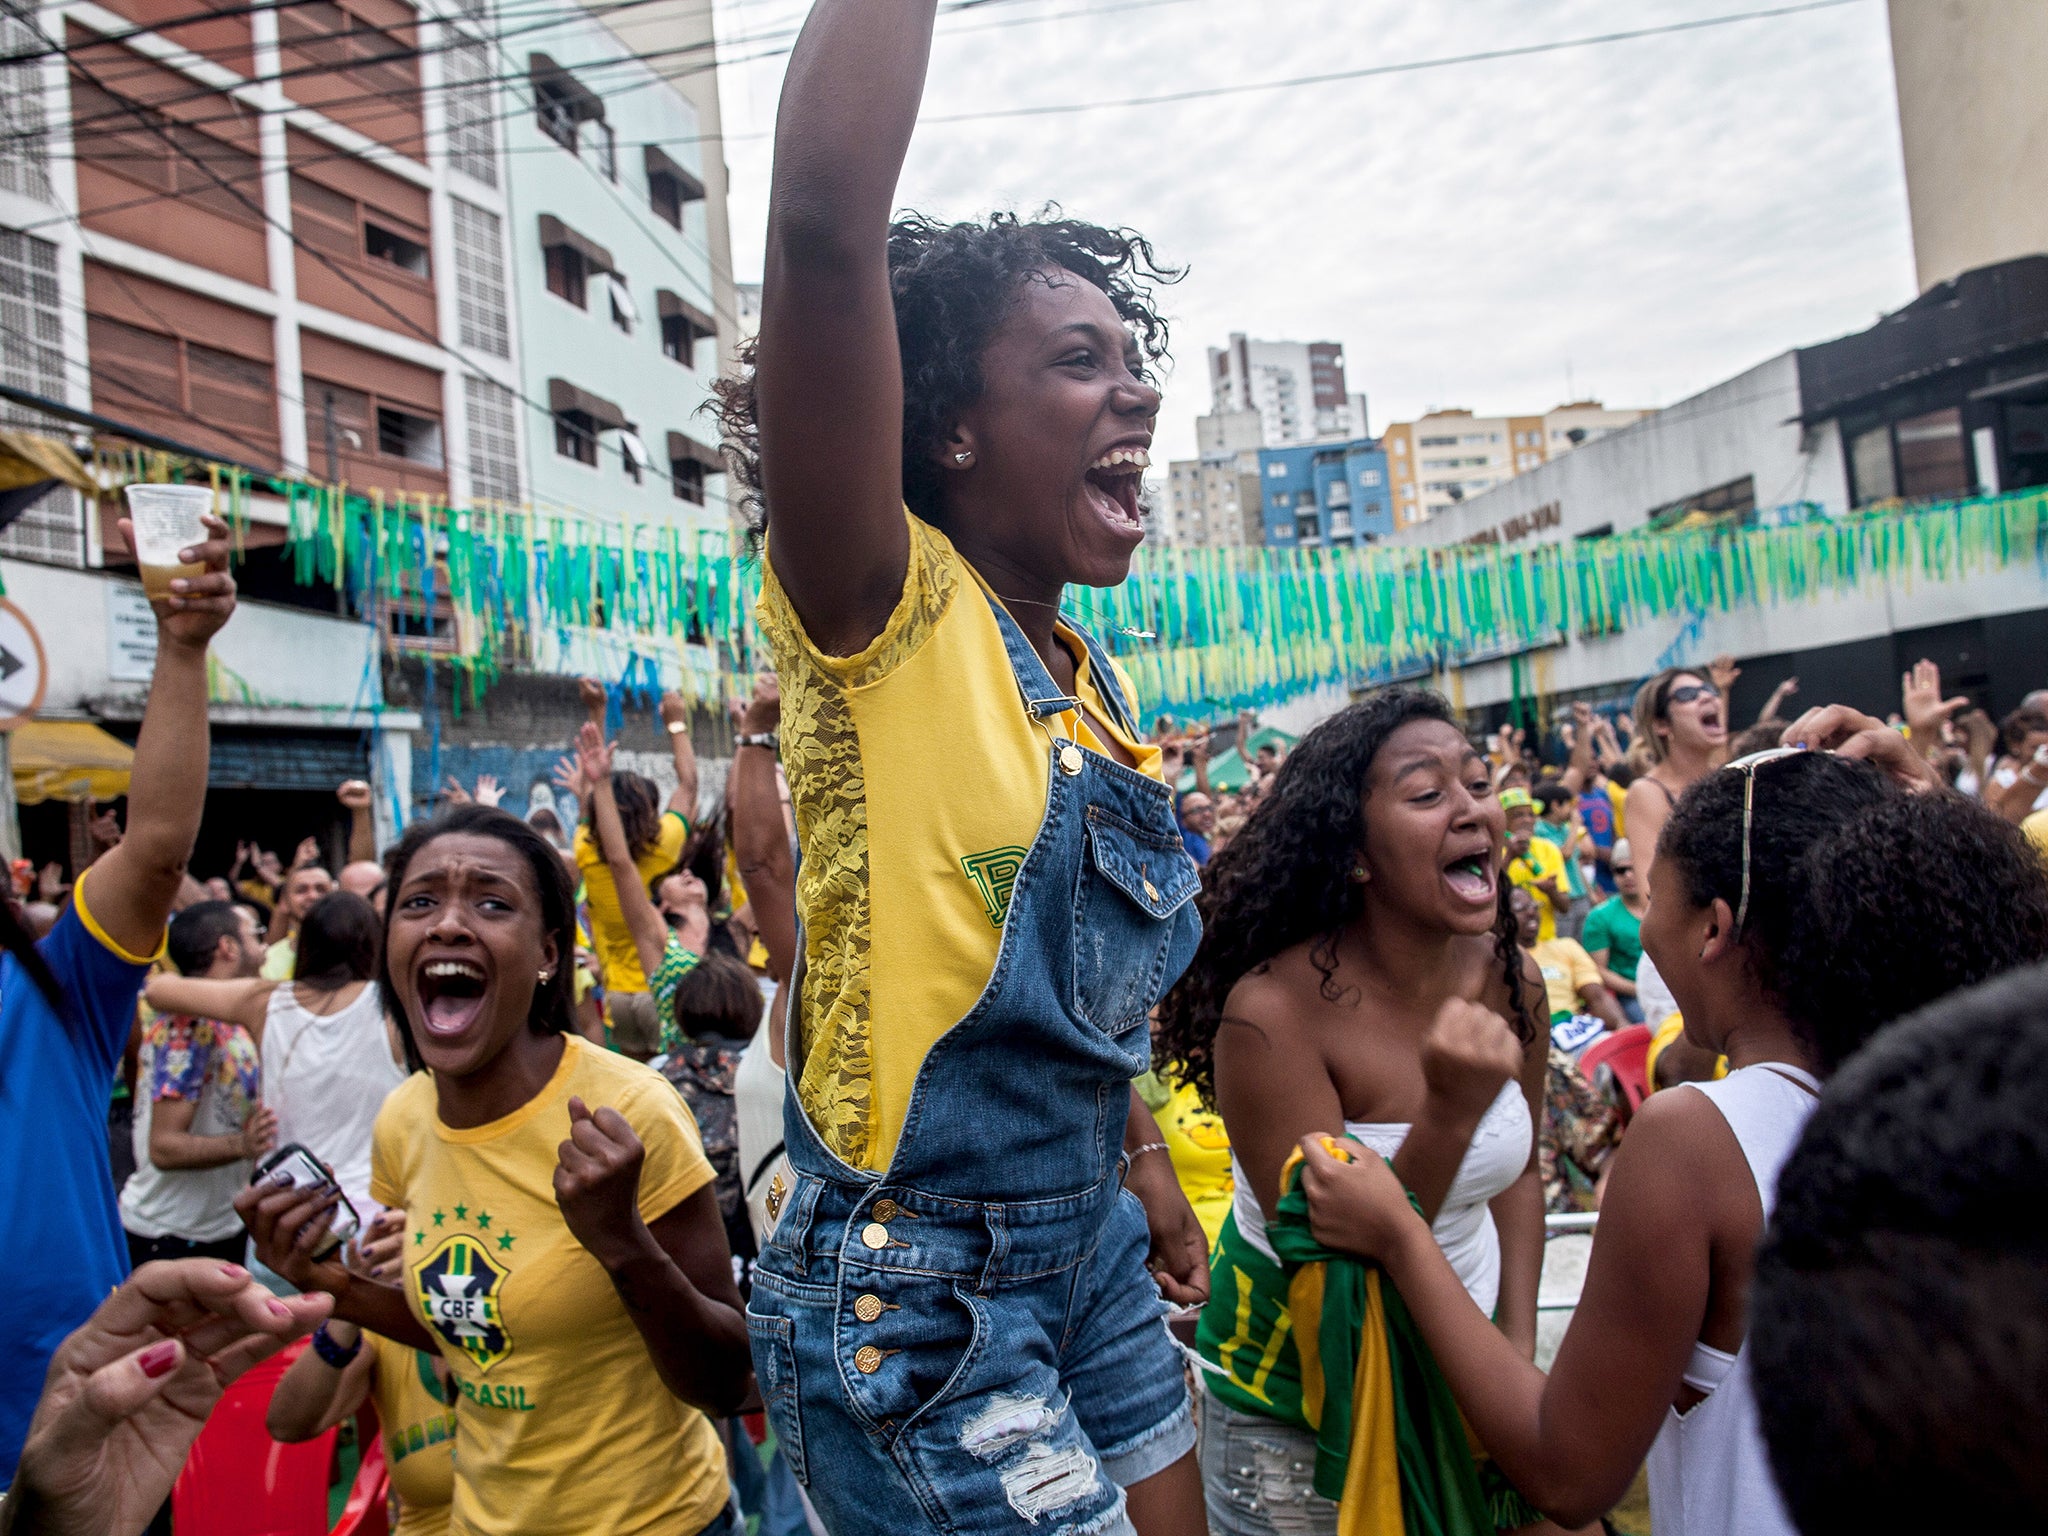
(1009,1403)
(1258,1476)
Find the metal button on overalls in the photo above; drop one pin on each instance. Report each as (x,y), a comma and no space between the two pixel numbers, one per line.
(867,1307)
(875,1235)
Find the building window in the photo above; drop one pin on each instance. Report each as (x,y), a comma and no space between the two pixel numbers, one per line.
(1871,467)
(625,313)
(480,305)
(401,251)
(576,437)
(565,274)
(24,146)
(632,452)
(31,322)
(562,103)
(318,37)
(557,114)
(669,186)
(403,435)
(165,156)
(607,151)
(1934,458)
(493,440)
(471,102)
(687,476)
(135,369)
(682,327)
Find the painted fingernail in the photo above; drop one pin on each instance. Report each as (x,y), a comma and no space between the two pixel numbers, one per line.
(158,1359)
(279,1310)
(234,1271)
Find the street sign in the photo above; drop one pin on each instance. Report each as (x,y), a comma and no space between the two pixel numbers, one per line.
(24,668)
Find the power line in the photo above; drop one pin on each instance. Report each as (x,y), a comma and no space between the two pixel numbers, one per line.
(1202,93)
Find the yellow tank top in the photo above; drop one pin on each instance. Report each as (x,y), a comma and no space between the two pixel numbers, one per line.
(418,1428)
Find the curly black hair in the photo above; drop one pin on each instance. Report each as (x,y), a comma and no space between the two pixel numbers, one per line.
(954,285)
(1918,897)
(1899,1315)
(1797,803)
(1286,878)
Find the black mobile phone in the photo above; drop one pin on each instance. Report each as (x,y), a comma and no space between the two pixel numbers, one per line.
(291,1164)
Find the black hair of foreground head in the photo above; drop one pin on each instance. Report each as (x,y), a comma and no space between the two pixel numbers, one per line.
(1899,1327)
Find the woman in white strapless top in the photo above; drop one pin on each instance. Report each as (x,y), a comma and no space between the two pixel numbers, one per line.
(1745,886)
(1357,959)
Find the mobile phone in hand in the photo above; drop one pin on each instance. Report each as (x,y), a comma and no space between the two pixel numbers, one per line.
(291,1165)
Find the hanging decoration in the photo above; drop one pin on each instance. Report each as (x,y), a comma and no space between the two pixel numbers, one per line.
(1201,631)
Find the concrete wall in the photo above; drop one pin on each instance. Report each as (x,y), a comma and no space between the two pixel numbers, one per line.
(272,664)
(1975,136)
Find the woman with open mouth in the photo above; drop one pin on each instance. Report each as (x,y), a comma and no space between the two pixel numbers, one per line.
(948,425)
(565,1253)
(1358,958)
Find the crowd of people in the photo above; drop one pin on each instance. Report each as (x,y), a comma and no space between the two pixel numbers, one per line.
(1039,1135)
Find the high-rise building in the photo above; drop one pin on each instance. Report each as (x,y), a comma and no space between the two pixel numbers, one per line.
(1325,494)
(1439,460)
(1297,388)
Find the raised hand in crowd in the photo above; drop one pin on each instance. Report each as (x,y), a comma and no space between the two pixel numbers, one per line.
(488,790)
(1722,673)
(50,884)
(760,837)
(104,830)
(355,797)
(135,882)
(129,1391)
(1849,732)
(1925,709)
(307,854)
(1779,695)
(595,700)
(568,778)
(675,722)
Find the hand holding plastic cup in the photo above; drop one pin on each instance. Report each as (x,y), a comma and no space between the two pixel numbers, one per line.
(166,522)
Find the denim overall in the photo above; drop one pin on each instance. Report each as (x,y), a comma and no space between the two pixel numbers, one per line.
(969,1342)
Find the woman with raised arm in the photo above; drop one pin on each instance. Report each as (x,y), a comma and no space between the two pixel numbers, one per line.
(947,426)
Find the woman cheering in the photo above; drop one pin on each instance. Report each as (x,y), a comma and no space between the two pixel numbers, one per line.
(952,1322)
(564,1251)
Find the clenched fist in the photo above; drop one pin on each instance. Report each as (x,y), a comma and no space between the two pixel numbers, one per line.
(1467,1053)
(597,1183)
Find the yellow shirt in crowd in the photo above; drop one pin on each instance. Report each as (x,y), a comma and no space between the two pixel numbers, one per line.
(418,1427)
(919,785)
(1544,860)
(563,1423)
(1199,1148)
(1567,969)
(617,957)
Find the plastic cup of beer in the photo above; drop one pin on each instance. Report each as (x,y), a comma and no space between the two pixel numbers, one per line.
(166,520)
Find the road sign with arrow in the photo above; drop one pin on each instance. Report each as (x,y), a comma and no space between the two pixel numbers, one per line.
(24,667)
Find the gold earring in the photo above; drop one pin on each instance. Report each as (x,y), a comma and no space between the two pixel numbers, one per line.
(544,975)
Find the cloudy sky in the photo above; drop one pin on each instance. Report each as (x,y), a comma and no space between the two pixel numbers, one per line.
(1634,220)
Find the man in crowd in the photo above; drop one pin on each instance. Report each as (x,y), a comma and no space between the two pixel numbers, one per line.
(66,1003)
(199,1115)
(303,889)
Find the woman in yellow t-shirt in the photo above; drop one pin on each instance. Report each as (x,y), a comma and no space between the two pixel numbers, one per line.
(564,1251)
(410,1389)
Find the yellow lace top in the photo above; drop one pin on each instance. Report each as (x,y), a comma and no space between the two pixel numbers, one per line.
(918,783)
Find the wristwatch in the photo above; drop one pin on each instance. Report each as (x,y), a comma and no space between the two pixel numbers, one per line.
(677,727)
(766,739)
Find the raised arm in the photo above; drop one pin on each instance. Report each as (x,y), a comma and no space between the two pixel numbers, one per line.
(362,822)
(246,1003)
(1578,772)
(760,838)
(134,884)
(828,377)
(650,932)
(675,721)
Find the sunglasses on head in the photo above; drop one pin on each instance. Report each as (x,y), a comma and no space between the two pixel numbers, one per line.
(1690,692)
(1747,767)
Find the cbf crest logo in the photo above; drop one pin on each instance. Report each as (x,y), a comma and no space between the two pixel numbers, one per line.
(459,1291)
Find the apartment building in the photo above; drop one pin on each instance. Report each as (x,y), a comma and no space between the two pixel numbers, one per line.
(613,276)
(1324,494)
(1297,388)
(1440,459)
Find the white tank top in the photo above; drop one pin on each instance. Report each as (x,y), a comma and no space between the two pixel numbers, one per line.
(757,1091)
(1709,1472)
(1464,1229)
(327,1075)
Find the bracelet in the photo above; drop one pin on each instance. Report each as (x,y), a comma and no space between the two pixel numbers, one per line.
(1151,1146)
(766,739)
(677,727)
(335,1354)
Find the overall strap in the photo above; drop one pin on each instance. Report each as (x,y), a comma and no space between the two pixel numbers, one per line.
(1042,696)
(1108,684)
